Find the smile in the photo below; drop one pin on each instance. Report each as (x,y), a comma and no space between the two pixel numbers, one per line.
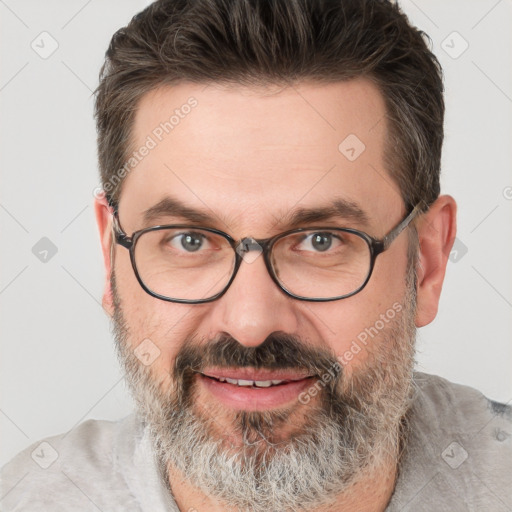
(254,394)
(253,383)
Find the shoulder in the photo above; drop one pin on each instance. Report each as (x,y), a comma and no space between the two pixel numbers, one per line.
(69,471)
(460,405)
(458,453)
(459,410)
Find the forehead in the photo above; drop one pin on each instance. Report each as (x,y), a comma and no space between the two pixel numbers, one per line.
(249,156)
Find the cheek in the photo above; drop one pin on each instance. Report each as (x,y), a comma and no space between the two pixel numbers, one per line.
(352,327)
(156,328)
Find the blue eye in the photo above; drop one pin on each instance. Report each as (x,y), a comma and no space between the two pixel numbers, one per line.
(321,241)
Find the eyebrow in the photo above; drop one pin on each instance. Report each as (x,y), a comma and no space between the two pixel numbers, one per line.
(338,208)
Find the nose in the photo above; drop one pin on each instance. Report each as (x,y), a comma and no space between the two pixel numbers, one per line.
(253,307)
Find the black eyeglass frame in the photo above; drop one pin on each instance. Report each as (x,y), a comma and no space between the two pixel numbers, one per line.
(376,247)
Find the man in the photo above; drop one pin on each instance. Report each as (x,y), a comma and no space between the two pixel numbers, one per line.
(273,234)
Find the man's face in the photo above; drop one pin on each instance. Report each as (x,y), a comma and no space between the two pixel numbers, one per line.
(249,160)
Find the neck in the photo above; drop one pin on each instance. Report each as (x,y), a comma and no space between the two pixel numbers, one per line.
(370,493)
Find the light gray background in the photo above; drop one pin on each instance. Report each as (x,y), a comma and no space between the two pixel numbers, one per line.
(58,365)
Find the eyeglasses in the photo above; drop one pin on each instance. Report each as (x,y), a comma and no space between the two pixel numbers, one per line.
(192,265)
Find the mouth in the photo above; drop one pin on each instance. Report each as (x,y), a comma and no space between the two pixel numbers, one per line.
(251,390)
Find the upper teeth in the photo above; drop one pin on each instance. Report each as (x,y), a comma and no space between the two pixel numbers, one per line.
(259,383)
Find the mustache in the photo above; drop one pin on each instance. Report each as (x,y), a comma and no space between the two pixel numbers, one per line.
(279,351)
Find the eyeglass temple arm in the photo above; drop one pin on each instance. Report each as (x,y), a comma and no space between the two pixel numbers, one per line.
(117,232)
(387,240)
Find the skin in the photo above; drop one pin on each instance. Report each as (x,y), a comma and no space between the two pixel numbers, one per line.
(249,157)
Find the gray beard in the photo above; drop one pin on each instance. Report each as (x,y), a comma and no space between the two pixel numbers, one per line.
(353,427)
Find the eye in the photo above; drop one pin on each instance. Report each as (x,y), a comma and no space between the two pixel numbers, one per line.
(190,241)
(320,241)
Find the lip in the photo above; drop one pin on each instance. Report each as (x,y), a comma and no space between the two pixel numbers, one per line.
(252,374)
(253,399)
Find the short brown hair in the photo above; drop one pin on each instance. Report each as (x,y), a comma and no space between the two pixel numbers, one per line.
(263,42)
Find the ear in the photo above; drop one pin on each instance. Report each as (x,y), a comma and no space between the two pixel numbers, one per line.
(436,232)
(104,221)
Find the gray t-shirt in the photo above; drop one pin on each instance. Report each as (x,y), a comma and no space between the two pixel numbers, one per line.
(458,458)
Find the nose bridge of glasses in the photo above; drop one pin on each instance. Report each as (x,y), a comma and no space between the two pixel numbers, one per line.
(249,248)
(248,244)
